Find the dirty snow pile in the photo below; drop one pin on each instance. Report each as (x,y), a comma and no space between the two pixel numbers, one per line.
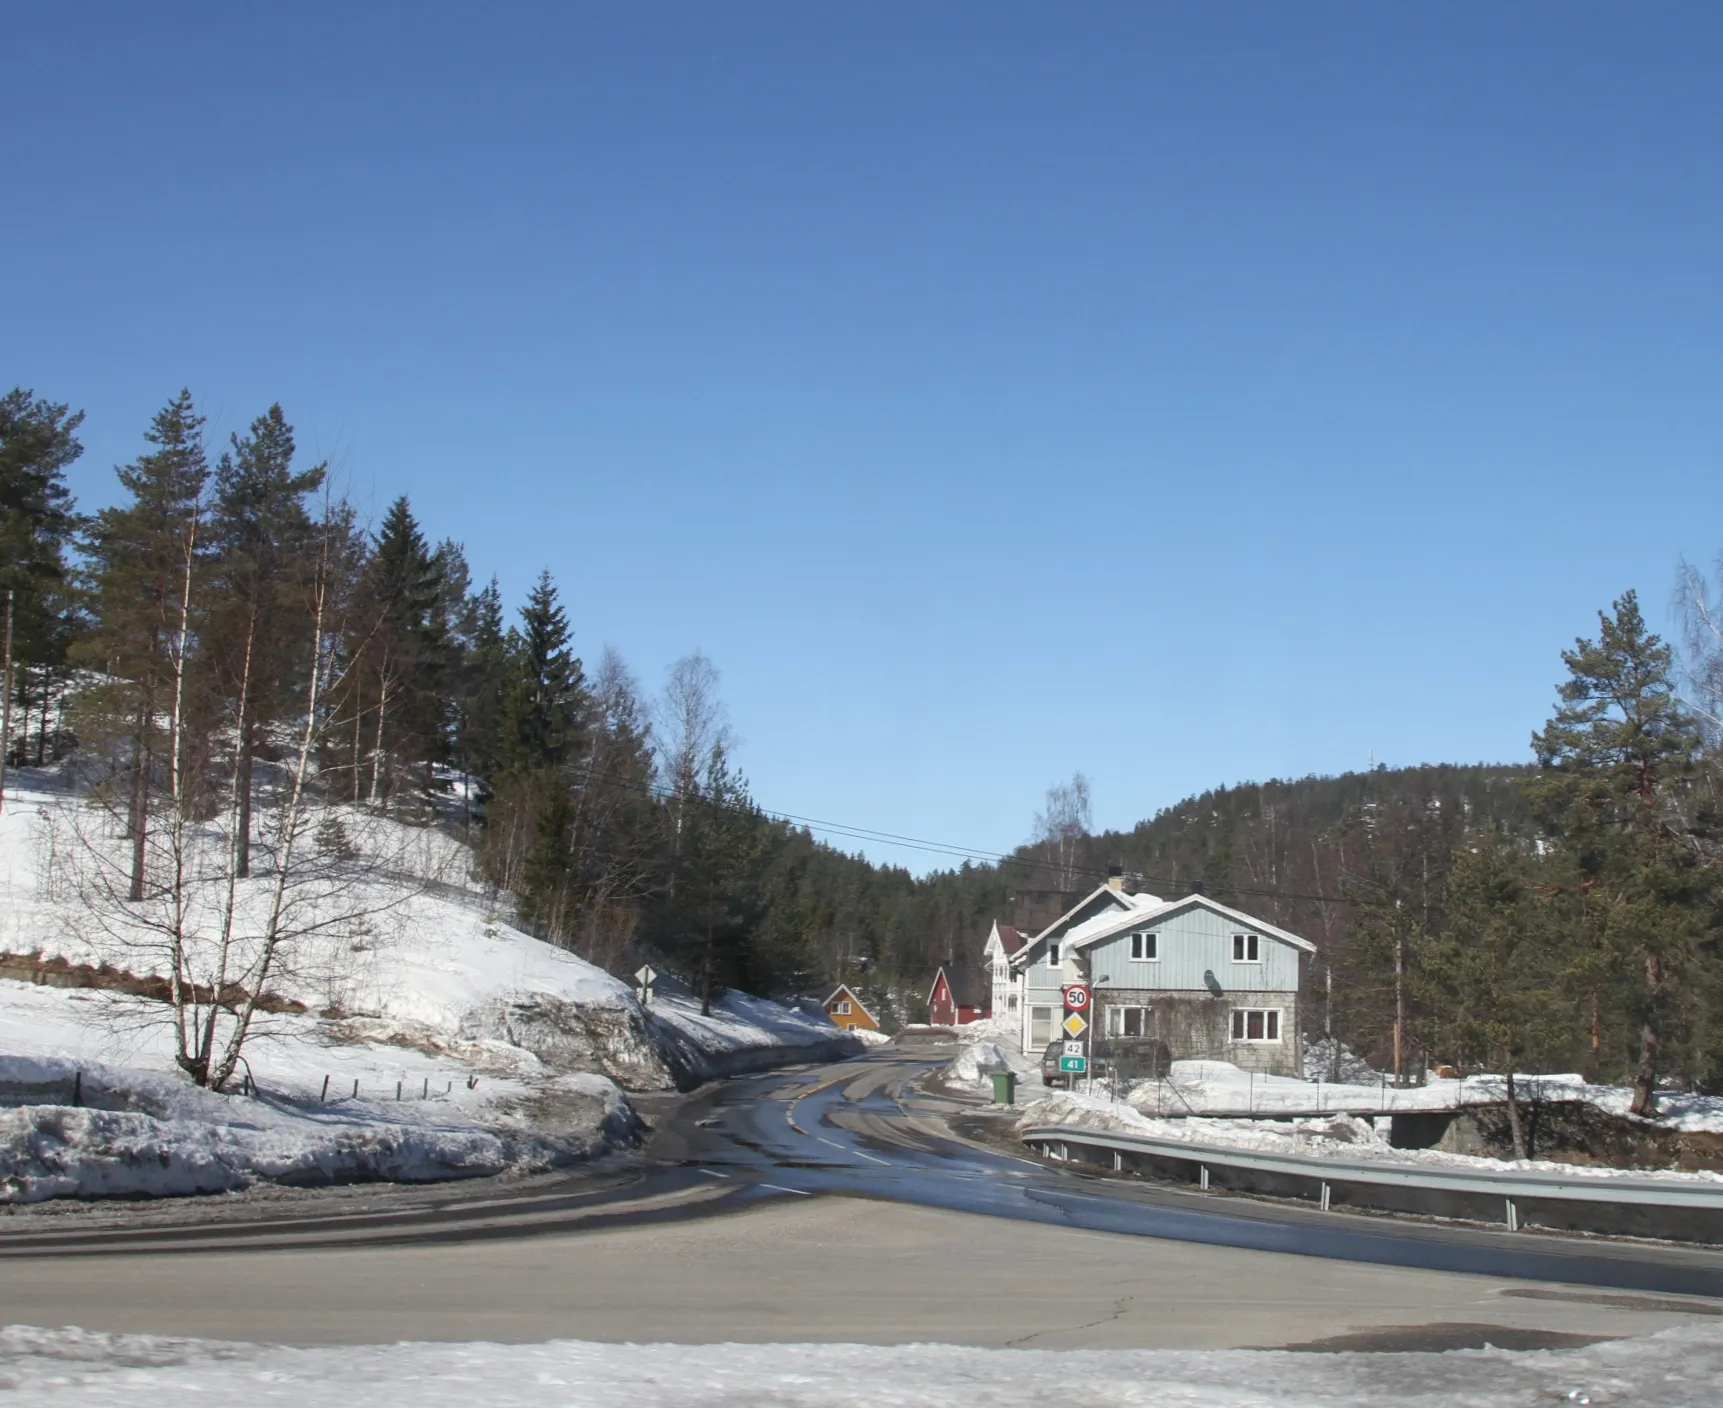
(48,1368)
(1334,1136)
(987,1045)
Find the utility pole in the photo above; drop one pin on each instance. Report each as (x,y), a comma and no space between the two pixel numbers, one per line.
(6,709)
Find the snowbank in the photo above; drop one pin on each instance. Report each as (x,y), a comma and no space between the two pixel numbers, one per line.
(1338,1135)
(47,1368)
(430,1040)
(1198,1087)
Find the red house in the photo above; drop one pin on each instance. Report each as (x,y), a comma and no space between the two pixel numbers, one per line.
(955,998)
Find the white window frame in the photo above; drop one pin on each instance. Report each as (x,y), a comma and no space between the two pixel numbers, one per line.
(1053,953)
(1011,1003)
(1145,947)
(1116,1020)
(1246,948)
(843,1009)
(1272,1021)
(1039,1043)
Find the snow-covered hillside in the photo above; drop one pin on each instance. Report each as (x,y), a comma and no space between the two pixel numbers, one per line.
(427,1039)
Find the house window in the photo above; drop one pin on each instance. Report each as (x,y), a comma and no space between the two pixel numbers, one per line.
(1256,1024)
(1040,1026)
(1244,949)
(1011,1003)
(1053,954)
(1146,947)
(843,1009)
(1125,1021)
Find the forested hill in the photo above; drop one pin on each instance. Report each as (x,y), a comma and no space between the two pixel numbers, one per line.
(1295,852)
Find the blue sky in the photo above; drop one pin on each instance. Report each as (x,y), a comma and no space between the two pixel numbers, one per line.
(1183,394)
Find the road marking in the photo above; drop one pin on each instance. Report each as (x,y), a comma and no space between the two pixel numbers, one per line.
(713,1173)
(779,1188)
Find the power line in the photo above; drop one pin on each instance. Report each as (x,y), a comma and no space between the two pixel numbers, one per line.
(855,832)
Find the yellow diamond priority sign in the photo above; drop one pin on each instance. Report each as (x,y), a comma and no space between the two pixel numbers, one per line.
(1075,1025)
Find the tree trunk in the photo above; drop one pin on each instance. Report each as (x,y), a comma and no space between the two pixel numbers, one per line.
(1515,1123)
(1645,1082)
(138,808)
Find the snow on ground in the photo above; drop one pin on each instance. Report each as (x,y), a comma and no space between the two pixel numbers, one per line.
(439,1041)
(1678,1368)
(1336,1136)
(140,1128)
(1197,1087)
(986,1045)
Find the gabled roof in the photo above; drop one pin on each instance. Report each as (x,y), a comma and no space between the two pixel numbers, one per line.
(1128,904)
(1091,932)
(1009,939)
(846,988)
(966,986)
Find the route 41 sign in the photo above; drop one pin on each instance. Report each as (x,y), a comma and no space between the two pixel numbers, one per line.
(1073,1065)
(1077,998)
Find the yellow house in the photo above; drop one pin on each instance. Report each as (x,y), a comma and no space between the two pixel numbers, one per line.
(845,1009)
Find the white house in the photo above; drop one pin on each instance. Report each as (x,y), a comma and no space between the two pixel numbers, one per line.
(996,953)
(1174,979)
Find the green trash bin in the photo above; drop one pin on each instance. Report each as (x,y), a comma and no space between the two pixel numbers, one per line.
(1004,1087)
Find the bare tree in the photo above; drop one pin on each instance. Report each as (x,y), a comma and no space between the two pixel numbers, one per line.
(691,722)
(218,936)
(1062,825)
(1701,609)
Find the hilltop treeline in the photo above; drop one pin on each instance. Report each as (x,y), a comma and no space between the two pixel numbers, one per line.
(230,608)
(176,645)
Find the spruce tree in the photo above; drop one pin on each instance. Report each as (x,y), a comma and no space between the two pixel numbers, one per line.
(1496,985)
(546,705)
(1615,762)
(404,658)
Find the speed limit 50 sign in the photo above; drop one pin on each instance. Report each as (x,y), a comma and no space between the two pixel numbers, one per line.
(1077,998)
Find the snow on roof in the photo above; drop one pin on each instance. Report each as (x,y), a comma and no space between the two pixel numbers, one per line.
(1131,904)
(1104,926)
(1010,939)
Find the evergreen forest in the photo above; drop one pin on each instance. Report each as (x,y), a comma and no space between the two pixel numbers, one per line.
(229,628)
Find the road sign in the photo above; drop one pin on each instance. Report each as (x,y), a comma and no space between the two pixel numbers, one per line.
(1075,1025)
(645,974)
(1077,998)
(1074,1048)
(1074,1065)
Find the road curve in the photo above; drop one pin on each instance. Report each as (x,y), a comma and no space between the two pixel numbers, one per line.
(863,1128)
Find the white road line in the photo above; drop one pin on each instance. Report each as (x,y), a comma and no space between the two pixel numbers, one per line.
(713,1173)
(779,1188)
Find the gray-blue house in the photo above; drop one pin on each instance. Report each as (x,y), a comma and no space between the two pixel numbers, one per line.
(1172,979)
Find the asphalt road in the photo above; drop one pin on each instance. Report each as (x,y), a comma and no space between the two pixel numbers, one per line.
(831,1204)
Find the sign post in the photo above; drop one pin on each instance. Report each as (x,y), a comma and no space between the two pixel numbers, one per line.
(1074,1059)
(644,977)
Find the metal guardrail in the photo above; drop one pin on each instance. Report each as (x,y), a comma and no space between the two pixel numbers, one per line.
(1656,1207)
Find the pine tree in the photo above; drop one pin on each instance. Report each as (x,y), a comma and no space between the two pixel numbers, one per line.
(38,441)
(1614,763)
(261,550)
(140,560)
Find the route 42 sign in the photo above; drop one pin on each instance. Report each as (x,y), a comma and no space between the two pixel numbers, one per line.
(1073,1048)
(1077,998)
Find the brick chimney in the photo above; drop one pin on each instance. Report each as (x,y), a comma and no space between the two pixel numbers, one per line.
(1116,878)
